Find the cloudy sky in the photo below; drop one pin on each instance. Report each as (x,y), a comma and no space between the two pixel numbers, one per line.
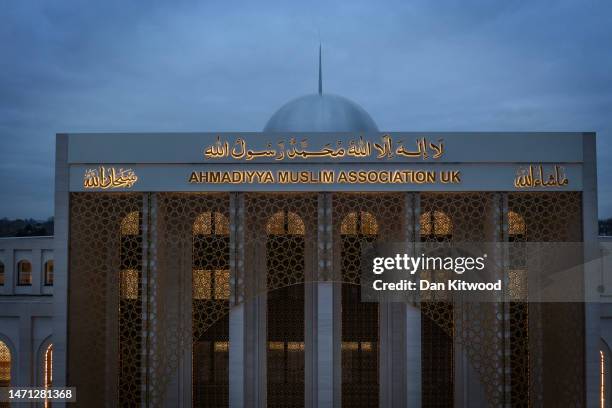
(118,65)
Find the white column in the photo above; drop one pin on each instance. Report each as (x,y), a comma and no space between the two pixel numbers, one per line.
(413,356)
(25,350)
(591,271)
(60,256)
(325,345)
(400,333)
(325,309)
(37,271)
(413,314)
(236,313)
(236,356)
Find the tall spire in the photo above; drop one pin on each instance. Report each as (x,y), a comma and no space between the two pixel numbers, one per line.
(320,73)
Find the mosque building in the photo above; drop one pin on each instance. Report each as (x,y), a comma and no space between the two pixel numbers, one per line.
(224,269)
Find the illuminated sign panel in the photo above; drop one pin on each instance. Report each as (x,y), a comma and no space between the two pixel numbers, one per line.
(326,162)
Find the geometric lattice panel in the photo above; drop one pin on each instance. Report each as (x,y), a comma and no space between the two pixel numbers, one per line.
(190,299)
(449,324)
(104,330)
(552,365)
(280,230)
(359,220)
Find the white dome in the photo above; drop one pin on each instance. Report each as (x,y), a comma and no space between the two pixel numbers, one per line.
(321,113)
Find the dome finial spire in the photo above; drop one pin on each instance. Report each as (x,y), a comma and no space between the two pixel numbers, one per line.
(320,73)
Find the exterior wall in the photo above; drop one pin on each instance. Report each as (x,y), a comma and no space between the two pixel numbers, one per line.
(26,312)
(605,288)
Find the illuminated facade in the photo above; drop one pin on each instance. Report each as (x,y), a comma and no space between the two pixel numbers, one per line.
(217,270)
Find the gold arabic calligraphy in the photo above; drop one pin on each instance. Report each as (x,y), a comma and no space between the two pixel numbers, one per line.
(533,176)
(106,178)
(387,148)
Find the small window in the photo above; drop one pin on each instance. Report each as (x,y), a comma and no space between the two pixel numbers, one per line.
(24,273)
(1,274)
(49,273)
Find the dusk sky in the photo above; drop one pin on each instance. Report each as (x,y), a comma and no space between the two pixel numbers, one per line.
(117,65)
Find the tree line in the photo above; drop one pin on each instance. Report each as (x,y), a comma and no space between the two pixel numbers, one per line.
(25,227)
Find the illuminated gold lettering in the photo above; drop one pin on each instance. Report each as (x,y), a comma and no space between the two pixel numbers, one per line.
(534,176)
(266,178)
(108,178)
(312,177)
(360,148)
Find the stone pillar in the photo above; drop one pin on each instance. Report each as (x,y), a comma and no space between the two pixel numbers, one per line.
(592,319)
(237,309)
(10,272)
(413,356)
(469,384)
(26,351)
(60,256)
(327,317)
(254,302)
(413,313)
(400,334)
(37,271)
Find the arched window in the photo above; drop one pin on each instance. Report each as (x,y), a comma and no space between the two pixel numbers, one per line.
(5,365)
(285,258)
(48,273)
(285,222)
(436,224)
(359,325)
(210,309)
(518,316)
(48,371)
(210,230)
(361,222)
(208,223)
(1,274)
(130,309)
(24,273)
(130,276)
(517,279)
